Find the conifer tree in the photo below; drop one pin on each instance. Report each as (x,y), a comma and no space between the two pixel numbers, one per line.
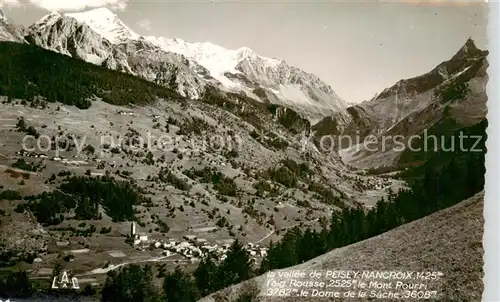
(179,287)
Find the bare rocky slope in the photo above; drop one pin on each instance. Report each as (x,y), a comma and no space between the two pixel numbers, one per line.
(67,35)
(9,32)
(449,241)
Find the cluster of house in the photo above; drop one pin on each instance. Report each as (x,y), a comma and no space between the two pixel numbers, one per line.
(30,154)
(69,162)
(379,184)
(123,112)
(218,161)
(194,248)
(371,183)
(61,159)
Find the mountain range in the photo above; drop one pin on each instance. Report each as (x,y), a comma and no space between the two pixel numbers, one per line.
(411,106)
(100,37)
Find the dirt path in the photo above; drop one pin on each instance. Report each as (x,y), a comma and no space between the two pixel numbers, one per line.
(99,271)
(290,227)
(265,237)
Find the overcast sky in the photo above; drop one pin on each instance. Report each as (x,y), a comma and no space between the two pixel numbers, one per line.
(358,48)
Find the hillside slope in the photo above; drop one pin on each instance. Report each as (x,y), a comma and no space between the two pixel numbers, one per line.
(449,241)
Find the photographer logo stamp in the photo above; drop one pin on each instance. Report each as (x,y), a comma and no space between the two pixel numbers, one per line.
(63,281)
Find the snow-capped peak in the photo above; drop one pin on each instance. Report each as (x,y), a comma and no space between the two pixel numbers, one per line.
(48,20)
(106,23)
(245,52)
(215,58)
(235,70)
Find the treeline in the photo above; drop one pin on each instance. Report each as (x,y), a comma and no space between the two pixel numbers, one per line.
(15,284)
(9,194)
(23,165)
(222,184)
(22,126)
(27,71)
(445,179)
(246,108)
(268,139)
(253,111)
(166,175)
(84,195)
(289,173)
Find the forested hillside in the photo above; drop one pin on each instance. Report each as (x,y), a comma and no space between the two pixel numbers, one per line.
(84,195)
(27,71)
(446,178)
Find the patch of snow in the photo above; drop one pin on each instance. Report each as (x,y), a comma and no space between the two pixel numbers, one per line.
(215,58)
(294,94)
(94,59)
(106,23)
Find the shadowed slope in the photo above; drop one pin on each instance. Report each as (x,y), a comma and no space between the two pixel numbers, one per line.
(449,241)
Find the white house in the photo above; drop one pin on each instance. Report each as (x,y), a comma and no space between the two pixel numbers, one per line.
(183,244)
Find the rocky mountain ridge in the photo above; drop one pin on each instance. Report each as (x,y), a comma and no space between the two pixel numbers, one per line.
(9,32)
(100,37)
(413,105)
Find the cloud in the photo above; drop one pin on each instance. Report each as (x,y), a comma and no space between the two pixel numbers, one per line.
(145,24)
(69,5)
(9,3)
